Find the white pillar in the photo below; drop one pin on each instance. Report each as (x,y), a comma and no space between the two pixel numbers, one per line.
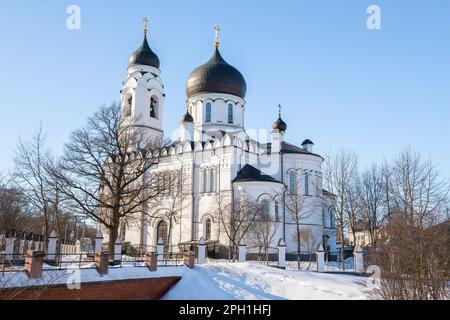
(281,253)
(77,246)
(242,251)
(51,249)
(9,248)
(358,259)
(320,259)
(21,247)
(201,251)
(98,242)
(118,250)
(160,249)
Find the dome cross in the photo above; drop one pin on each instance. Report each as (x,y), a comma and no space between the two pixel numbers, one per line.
(217,29)
(145,25)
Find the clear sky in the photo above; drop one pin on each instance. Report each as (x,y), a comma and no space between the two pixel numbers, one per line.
(340,84)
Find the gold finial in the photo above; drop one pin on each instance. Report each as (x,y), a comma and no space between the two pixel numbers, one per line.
(217,29)
(145,25)
(279,110)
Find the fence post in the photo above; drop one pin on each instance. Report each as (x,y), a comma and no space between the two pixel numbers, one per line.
(151,260)
(9,248)
(51,250)
(101,262)
(98,242)
(358,259)
(33,263)
(189,260)
(242,250)
(281,253)
(118,251)
(201,251)
(320,259)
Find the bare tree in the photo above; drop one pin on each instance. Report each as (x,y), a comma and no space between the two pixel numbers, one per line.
(13,210)
(263,231)
(372,200)
(173,202)
(301,204)
(340,169)
(30,176)
(106,171)
(310,243)
(413,253)
(236,215)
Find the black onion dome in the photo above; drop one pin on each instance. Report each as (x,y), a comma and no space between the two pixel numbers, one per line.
(216,76)
(280,125)
(144,55)
(307,141)
(187,117)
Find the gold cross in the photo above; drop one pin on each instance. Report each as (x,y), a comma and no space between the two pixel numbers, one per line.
(217,29)
(145,25)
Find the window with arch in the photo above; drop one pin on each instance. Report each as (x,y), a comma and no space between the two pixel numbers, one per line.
(212,181)
(306,184)
(208,229)
(161,232)
(128,103)
(208,111)
(277,211)
(292,187)
(230,113)
(154,106)
(205,181)
(265,208)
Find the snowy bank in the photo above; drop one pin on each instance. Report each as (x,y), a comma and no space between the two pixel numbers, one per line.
(251,281)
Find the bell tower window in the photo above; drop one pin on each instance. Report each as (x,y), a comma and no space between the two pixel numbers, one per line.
(154,107)
(208,112)
(127,108)
(230,113)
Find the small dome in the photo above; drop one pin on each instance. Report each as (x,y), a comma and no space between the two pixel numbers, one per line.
(307,141)
(187,118)
(280,125)
(216,76)
(144,56)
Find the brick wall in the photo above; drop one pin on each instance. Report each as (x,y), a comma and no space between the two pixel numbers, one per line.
(135,289)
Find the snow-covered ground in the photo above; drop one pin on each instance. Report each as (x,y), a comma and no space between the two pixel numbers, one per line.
(252,281)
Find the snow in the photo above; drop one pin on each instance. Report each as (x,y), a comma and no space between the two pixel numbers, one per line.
(251,281)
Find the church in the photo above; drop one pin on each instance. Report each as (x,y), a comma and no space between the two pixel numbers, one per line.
(220,162)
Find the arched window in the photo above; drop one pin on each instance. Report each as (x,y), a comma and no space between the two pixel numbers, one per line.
(292,182)
(306,184)
(205,181)
(154,105)
(208,112)
(212,181)
(128,103)
(277,210)
(265,208)
(208,229)
(230,113)
(161,232)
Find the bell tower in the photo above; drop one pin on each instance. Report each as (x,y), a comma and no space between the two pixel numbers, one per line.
(142,94)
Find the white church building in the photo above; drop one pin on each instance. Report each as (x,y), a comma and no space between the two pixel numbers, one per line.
(217,157)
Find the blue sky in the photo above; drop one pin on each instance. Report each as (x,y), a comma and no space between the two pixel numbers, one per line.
(341,84)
